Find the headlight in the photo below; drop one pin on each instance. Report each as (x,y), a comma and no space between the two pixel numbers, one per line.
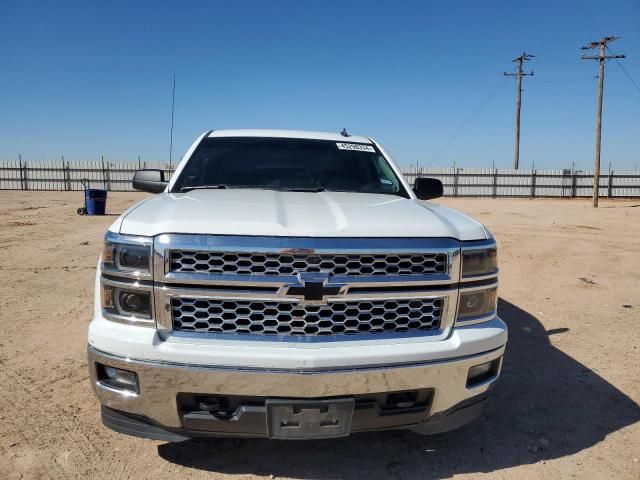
(478,282)
(126,288)
(479,261)
(129,255)
(477,303)
(126,302)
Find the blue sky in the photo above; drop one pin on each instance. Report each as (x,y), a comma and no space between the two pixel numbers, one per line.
(92,78)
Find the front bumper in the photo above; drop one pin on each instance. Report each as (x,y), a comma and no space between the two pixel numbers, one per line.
(162,382)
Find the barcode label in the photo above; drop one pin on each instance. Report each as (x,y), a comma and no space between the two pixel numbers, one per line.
(358,147)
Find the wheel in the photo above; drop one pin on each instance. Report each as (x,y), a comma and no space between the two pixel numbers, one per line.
(82,211)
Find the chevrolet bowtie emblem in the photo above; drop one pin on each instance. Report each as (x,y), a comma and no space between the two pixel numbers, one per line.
(313,288)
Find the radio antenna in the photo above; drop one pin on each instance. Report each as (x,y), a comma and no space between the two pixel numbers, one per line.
(173,102)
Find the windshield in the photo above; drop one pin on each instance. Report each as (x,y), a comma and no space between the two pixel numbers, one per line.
(288,164)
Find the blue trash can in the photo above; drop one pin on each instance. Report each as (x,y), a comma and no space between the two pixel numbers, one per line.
(96,201)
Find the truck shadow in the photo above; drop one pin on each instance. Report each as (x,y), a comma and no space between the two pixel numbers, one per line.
(546,405)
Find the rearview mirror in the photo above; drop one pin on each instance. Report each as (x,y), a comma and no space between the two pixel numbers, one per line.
(151,181)
(428,188)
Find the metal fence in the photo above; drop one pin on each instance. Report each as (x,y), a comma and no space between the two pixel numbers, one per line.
(568,183)
(458,182)
(65,175)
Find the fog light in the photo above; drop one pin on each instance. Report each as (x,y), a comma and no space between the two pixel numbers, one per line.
(483,372)
(117,378)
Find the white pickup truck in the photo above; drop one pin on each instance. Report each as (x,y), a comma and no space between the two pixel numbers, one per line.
(292,285)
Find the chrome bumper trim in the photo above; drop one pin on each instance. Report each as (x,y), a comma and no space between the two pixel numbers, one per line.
(160,382)
(297,371)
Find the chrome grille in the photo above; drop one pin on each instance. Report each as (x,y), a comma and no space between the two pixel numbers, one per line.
(285,318)
(248,263)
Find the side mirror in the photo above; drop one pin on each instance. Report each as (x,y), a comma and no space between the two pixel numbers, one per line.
(151,181)
(428,188)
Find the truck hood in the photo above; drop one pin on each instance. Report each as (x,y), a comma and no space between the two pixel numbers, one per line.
(295,214)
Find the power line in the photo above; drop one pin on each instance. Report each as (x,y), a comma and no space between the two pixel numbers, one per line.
(601,45)
(624,69)
(525,57)
(467,122)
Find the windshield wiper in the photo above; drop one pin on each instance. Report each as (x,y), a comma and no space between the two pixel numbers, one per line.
(261,187)
(303,189)
(203,187)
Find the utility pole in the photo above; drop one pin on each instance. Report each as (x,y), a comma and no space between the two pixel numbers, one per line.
(601,57)
(173,102)
(520,60)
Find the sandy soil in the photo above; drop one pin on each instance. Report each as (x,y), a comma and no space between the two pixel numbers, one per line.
(566,407)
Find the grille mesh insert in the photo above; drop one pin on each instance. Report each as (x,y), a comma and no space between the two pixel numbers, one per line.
(247,263)
(283,318)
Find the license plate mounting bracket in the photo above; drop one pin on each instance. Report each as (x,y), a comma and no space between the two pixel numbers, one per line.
(309,419)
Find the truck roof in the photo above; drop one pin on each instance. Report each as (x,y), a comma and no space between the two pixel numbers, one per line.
(332,136)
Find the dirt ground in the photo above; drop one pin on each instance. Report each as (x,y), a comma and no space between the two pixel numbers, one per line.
(566,406)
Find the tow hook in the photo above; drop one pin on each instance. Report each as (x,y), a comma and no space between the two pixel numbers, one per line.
(216,406)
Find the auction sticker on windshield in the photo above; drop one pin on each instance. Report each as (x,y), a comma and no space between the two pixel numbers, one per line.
(358,147)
